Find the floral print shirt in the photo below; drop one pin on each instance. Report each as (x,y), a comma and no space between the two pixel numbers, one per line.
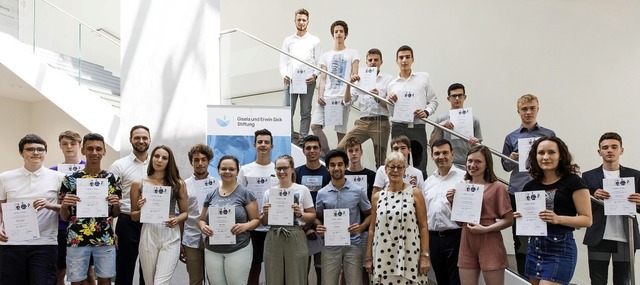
(95,231)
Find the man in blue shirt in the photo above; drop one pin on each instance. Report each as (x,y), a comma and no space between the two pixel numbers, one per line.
(528,108)
(343,196)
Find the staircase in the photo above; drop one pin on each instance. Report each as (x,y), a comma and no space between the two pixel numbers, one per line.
(92,76)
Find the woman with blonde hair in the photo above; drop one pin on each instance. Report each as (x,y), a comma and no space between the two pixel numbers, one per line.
(398,242)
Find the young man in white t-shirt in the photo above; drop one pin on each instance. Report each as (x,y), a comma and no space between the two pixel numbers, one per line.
(412,175)
(32,187)
(259,176)
(342,62)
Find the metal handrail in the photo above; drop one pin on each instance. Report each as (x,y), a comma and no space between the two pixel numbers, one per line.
(81,22)
(430,122)
(630,220)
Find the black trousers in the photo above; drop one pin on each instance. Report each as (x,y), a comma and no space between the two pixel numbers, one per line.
(444,247)
(599,257)
(128,232)
(29,264)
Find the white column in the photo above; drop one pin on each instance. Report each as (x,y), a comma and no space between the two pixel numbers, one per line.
(170,71)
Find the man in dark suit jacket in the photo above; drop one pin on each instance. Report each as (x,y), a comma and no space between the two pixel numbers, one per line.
(607,238)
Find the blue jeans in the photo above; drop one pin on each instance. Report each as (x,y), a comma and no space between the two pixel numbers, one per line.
(104,259)
(306,101)
(338,258)
(552,257)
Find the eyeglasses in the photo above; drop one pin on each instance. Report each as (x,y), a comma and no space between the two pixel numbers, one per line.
(458,96)
(282,168)
(311,147)
(227,169)
(395,168)
(36,150)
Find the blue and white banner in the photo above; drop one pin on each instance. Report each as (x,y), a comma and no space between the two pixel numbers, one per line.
(230,130)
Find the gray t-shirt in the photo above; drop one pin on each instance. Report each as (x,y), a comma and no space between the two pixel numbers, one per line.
(240,198)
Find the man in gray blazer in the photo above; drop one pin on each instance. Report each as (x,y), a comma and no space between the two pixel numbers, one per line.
(607,238)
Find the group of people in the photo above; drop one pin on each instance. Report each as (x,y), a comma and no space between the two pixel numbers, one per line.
(453,246)
(399,223)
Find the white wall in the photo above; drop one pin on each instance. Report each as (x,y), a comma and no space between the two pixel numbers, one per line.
(578,57)
(18,113)
(44,119)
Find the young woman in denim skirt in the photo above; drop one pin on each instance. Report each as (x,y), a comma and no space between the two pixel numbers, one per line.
(551,259)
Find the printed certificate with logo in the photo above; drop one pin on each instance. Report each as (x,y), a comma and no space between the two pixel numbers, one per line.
(281,211)
(467,203)
(298,80)
(530,204)
(462,120)
(368,76)
(221,220)
(257,186)
(619,190)
(203,188)
(69,168)
(93,194)
(20,220)
(524,147)
(360,180)
(156,209)
(337,223)
(333,111)
(404,107)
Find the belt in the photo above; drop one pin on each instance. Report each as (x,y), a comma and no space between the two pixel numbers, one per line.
(444,233)
(125,215)
(374,118)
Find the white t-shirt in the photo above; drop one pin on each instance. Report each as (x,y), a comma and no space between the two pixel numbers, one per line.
(614,229)
(382,180)
(301,195)
(192,237)
(22,185)
(338,63)
(258,178)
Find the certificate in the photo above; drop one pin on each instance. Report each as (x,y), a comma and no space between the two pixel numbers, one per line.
(529,204)
(298,80)
(281,211)
(462,120)
(619,190)
(467,203)
(93,194)
(337,223)
(404,107)
(221,220)
(69,168)
(524,147)
(20,220)
(203,188)
(156,209)
(360,180)
(333,111)
(257,186)
(368,76)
